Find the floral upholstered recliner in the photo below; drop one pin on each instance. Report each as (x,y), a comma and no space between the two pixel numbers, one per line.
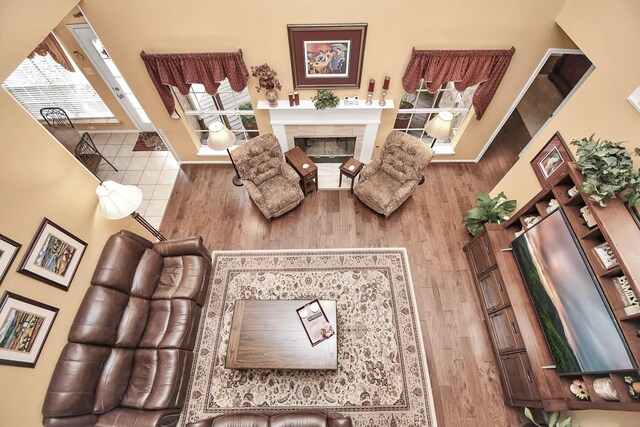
(272,184)
(389,180)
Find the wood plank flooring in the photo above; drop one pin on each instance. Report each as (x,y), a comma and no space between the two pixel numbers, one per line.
(463,370)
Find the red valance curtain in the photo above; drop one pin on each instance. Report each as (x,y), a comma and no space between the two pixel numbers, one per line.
(183,69)
(51,46)
(463,67)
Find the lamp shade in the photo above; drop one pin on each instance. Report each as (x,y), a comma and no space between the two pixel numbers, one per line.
(440,126)
(220,138)
(116,200)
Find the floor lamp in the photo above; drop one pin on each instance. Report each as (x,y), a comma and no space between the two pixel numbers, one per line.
(117,201)
(221,138)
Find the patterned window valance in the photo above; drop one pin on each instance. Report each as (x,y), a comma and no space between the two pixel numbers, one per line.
(51,46)
(465,68)
(184,69)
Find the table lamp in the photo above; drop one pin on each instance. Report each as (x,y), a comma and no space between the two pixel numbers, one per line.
(221,138)
(440,126)
(117,201)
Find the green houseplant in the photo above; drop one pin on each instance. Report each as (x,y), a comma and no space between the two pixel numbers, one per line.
(248,122)
(608,170)
(488,210)
(551,419)
(325,99)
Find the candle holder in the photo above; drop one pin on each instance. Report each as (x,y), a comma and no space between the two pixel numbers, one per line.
(382,102)
(369,100)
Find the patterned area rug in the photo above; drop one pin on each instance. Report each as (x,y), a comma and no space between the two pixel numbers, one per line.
(382,379)
(149,141)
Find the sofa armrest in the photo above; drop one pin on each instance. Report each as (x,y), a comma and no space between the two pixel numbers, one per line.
(369,170)
(403,193)
(186,246)
(338,420)
(134,236)
(257,197)
(290,174)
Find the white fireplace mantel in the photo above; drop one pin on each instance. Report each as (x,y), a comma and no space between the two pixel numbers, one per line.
(305,114)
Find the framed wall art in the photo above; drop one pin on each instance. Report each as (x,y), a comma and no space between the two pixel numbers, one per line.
(327,55)
(24,326)
(8,251)
(552,159)
(53,255)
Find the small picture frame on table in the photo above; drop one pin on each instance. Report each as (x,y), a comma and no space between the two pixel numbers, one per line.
(552,160)
(24,327)
(606,256)
(327,56)
(8,252)
(53,255)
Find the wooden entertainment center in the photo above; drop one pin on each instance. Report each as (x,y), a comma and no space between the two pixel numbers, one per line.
(529,377)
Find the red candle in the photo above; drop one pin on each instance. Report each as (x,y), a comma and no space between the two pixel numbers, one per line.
(372,85)
(385,85)
(296,98)
(291,100)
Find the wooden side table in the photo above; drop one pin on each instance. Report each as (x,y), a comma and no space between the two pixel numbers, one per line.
(309,176)
(351,168)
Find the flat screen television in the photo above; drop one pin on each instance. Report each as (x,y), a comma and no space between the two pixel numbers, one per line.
(576,320)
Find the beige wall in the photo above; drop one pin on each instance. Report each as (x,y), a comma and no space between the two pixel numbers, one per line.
(127,27)
(97,82)
(40,179)
(608,33)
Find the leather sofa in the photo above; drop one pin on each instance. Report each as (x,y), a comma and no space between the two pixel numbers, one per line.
(130,349)
(290,419)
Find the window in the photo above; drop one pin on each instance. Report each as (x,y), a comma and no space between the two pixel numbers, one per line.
(233,109)
(42,82)
(417,109)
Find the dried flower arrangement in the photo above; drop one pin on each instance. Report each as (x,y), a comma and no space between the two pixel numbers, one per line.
(266,77)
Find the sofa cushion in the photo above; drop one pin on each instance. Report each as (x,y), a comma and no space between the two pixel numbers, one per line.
(118,262)
(72,388)
(241,420)
(113,380)
(172,324)
(147,274)
(380,189)
(306,419)
(159,379)
(98,317)
(182,277)
(279,193)
(122,417)
(132,322)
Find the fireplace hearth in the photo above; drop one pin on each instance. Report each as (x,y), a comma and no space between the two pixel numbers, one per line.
(330,149)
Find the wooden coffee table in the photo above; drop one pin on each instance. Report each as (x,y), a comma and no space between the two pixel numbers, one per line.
(308,177)
(267,334)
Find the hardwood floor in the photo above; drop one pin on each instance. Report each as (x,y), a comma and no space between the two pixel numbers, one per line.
(463,370)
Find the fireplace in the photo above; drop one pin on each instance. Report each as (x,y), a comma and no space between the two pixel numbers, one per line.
(331,149)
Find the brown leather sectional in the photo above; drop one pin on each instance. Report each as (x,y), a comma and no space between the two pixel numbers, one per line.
(290,419)
(130,347)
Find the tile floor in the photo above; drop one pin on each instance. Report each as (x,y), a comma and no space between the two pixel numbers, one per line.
(329,177)
(154,172)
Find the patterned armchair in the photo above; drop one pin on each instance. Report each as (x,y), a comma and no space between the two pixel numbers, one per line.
(272,184)
(389,180)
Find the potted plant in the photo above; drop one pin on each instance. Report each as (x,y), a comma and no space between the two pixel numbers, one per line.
(608,170)
(325,99)
(248,122)
(551,419)
(403,119)
(267,80)
(488,210)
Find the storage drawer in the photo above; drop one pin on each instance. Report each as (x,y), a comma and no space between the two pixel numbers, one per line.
(481,254)
(494,294)
(505,331)
(516,370)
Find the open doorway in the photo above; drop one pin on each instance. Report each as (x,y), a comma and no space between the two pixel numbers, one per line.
(557,77)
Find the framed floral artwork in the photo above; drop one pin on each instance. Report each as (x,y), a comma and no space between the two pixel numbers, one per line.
(552,159)
(24,327)
(53,256)
(8,251)
(327,55)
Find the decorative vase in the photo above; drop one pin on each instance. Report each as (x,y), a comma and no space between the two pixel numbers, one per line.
(272,97)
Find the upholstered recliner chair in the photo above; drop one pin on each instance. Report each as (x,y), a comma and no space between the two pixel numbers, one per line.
(389,180)
(272,184)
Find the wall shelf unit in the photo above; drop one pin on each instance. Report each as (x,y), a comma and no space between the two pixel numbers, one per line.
(525,362)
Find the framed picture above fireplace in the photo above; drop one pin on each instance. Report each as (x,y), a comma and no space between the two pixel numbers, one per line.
(327,55)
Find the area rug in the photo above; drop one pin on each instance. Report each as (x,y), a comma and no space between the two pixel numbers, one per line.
(382,379)
(149,141)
